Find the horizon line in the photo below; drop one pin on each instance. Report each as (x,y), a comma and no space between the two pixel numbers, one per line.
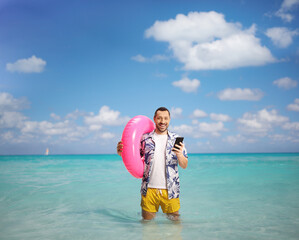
(65,154)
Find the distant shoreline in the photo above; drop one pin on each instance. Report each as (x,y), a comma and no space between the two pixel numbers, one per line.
(97,154)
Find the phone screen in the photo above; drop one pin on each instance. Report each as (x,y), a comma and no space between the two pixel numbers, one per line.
(178,140)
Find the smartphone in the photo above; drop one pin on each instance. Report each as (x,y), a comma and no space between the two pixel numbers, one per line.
(178,140)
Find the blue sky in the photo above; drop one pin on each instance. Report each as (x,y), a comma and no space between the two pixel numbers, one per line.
(72,73)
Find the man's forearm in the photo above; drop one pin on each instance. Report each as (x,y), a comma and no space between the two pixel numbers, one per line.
(183,161)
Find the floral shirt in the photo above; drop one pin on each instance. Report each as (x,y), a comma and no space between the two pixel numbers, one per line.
(172,175)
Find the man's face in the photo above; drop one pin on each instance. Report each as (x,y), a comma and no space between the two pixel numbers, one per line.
(162,120)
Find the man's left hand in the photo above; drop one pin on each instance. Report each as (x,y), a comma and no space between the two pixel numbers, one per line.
(178,149)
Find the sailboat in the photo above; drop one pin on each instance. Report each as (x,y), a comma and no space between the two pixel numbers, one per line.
(47,151)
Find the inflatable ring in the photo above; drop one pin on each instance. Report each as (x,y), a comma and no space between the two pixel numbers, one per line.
(131,137)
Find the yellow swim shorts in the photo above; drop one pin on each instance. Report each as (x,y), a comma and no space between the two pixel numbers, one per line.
(159,197)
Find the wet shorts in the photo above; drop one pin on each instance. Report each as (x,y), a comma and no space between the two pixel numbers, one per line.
(159,197)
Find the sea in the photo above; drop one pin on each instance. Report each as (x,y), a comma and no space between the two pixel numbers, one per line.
(223,196)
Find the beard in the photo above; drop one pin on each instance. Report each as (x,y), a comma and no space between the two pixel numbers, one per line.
(162,129)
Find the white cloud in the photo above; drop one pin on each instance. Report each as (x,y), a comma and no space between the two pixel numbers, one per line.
(107,135)
(66,130)
(9,115)
(294,126)
(55,116)
(280,137)
(75,114)
(30,65)
(7,136)
(158,57)
(289,4)
(155,58)
(286,7)
(271,116)
(176,112)
(237,139)
(204,144)
(9,103)
(200,129)
(77,133)
(184,129)
(285,83)
(251,124)
(212,128)
(47,128)
(284,138)
(59,128)
(161,75)
(187,85)
(139,58)
(11,119)
(205,40)
(236,94)
(95,127)
(262,122)
(281,37)
(234,139)
(106,116)
(17,128)
(197,113)
(220,117)
(294,106)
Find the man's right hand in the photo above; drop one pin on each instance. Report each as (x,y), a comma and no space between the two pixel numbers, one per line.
(119,148)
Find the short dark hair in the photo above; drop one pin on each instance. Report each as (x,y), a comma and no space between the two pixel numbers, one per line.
(162,109)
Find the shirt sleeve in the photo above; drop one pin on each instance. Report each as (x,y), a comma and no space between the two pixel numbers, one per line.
(185,153)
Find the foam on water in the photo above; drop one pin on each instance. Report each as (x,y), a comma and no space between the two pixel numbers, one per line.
(223,196)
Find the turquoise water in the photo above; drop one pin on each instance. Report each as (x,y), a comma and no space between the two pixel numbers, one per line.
(223,196)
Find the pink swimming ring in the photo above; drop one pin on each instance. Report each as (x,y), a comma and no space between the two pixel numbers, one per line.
(131,137)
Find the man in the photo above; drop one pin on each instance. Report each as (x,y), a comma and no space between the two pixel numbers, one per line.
(160,182)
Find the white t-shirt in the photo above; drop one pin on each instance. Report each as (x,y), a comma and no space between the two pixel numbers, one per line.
(158,171)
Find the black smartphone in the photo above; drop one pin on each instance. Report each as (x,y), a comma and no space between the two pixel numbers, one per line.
(178,140)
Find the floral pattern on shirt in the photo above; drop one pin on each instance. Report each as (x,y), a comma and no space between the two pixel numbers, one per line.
(172,175)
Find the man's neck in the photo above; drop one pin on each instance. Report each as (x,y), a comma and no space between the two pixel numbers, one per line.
(161,133)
